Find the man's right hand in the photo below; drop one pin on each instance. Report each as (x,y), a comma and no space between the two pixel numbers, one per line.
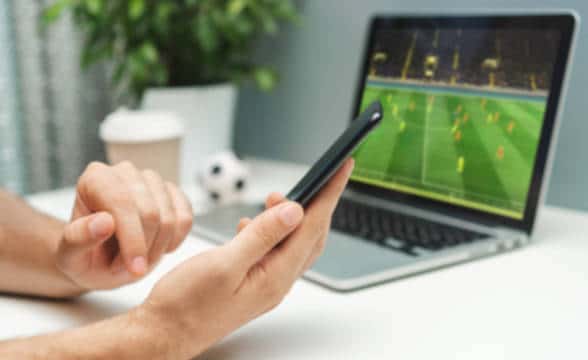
(216,292)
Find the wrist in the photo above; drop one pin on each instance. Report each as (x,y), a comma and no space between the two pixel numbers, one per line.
(169,328)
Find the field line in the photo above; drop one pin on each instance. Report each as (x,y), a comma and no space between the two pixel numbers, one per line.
(463,191)
(425,140)
(436,196)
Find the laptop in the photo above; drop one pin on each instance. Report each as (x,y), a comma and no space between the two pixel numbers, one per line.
(459,164)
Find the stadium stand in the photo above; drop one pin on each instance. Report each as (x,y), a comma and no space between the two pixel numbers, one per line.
(520,59)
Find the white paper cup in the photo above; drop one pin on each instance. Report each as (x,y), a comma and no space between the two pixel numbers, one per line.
(148,139)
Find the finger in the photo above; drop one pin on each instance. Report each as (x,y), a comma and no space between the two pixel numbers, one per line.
(293,255)
(327,199)
(274,199)
(243,223)
(167,215)
(99,189)
(184,216)
(81,236)
(265,231)
(144,199)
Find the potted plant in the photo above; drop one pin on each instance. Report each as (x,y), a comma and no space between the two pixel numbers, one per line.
(187,56)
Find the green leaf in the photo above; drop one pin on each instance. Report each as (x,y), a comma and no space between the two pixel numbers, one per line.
(286,10)
(235,7)
(265,78)
(136,9)
(268,22)
(92,54)
(206,33)
(160,75)
(243,26)
(53,12)
(176,42)
(93,6)
(164,10)
(137,67)
(149,52)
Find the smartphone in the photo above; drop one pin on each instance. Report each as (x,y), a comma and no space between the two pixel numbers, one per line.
(318,175)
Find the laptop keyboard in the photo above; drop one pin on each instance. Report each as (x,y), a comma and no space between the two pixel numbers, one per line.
(398,231)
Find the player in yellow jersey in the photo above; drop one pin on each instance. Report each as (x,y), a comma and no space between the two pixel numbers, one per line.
(411,106)
(460,164)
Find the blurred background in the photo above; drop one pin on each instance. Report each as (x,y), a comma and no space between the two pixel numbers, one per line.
(51,109)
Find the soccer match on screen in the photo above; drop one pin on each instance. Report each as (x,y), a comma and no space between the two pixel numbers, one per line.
(463,111)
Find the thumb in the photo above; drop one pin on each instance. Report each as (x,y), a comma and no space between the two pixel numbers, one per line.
(264,232)
(83,235)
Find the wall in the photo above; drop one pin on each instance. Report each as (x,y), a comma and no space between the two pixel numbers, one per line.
(319,62)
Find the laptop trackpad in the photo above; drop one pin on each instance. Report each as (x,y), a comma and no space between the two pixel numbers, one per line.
(346,257)
(223,221)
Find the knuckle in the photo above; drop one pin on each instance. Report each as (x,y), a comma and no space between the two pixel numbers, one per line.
(152,174)
(92,174)
(185,222)
(151,215)
(173,246)
(95,166)
(121,197)
(149,171)
(167,221)
(126,165)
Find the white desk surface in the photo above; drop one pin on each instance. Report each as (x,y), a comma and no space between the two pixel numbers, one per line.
(528,304)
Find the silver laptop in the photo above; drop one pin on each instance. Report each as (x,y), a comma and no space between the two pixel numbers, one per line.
(457,168)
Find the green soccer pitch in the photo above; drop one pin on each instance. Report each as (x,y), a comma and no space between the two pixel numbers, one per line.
(470,150)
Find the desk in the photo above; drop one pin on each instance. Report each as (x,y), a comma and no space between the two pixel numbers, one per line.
(528,304)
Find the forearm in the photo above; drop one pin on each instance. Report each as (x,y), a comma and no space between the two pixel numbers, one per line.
(28,241)
(134,335)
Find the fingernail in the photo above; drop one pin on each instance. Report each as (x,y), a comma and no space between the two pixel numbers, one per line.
(139,265)
(99,226)
(291,214)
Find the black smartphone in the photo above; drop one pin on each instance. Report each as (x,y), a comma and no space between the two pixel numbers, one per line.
(334,157)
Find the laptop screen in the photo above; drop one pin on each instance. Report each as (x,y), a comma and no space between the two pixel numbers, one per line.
(463,112)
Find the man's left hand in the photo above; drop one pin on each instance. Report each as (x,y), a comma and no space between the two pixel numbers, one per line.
(124,220)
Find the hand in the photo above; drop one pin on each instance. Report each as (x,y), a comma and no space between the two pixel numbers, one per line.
(122,223)
(272,200)
(214,293)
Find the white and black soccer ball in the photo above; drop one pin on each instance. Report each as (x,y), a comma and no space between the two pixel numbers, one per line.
(224,177)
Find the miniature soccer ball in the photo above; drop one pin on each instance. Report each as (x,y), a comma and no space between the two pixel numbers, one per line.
(224,177)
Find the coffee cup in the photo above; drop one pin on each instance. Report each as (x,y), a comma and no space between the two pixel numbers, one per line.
(148,139)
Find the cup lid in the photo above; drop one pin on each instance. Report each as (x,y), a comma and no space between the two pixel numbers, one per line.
(133,126)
